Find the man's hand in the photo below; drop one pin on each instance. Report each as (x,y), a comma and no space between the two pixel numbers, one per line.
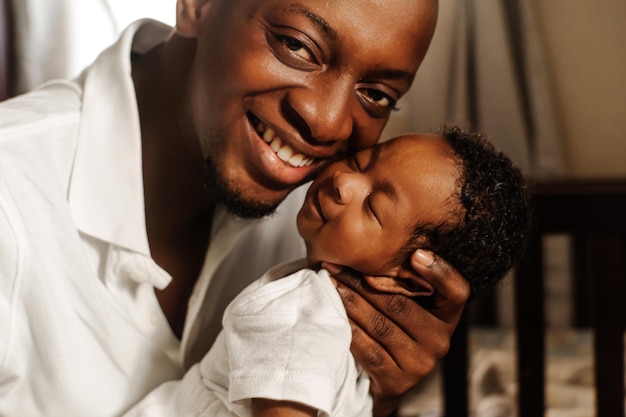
(396,339)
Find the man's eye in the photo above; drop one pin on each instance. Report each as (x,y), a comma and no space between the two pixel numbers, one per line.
(376,102)
(379,98)
(294,50)
(298,48)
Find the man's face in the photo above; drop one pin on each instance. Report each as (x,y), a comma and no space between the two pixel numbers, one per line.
(359,212)
(280,87)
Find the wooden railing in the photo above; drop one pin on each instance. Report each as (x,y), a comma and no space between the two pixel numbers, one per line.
(593,213)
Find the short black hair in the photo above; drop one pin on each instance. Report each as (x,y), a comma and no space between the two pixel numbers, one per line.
(488,233)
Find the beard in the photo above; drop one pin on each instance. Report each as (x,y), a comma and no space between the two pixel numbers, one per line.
(230,195)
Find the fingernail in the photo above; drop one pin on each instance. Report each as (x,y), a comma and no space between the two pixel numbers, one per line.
(424,257)
(332,268)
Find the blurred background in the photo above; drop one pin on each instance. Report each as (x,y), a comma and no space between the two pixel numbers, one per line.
(58,38)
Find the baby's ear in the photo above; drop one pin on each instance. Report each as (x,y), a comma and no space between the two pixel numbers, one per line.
(401,281)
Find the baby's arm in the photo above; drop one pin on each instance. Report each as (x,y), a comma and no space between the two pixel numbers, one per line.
(262,407)
(289,340)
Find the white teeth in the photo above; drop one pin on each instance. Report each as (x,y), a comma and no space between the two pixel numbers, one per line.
(282,150)
(268,135)
(285,153)
(275,145)
(296,160)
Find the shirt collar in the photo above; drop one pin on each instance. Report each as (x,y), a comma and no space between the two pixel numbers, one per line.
(106,188)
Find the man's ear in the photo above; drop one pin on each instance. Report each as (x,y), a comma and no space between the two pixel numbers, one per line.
(188,16)
(401,281)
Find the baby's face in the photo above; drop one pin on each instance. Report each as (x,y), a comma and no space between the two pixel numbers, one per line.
(360,211)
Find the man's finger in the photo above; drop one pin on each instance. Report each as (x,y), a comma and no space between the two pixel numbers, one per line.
(393,320)
(451,289)
(369,307)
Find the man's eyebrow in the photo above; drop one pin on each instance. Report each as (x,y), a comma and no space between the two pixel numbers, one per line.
(317,20)
(405,76)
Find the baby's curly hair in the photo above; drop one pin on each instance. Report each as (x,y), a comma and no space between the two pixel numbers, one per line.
(493,222)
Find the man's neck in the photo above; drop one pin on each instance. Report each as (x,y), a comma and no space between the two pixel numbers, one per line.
(179,207)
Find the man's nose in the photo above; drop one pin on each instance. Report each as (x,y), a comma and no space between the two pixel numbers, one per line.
(349,186)
(323,112)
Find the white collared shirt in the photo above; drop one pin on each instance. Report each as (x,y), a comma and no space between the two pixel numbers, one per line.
(81,330)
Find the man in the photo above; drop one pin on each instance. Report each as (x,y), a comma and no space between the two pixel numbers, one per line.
(124,197)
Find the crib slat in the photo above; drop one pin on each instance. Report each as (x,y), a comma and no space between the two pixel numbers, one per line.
(606,273)
(530,332)
(455,376)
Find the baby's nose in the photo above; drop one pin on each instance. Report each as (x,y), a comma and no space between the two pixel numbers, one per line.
(347,186)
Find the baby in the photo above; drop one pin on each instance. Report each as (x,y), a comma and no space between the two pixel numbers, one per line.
(285,346)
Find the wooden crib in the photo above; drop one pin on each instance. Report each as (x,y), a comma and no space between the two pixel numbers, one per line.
(593,213)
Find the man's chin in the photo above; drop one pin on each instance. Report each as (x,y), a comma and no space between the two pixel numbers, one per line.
(233,197)
(238,205)
(246,209)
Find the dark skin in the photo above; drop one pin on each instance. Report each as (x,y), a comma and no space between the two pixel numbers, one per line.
(323,76)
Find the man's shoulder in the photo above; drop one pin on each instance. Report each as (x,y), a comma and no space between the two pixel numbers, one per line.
(55,105)
(38,135)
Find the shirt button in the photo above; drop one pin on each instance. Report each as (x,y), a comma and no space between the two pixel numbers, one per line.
(154,319)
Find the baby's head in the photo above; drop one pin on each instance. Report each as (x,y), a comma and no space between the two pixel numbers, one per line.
(449,192)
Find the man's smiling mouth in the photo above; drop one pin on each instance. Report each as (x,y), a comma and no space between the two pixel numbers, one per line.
(284,152)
